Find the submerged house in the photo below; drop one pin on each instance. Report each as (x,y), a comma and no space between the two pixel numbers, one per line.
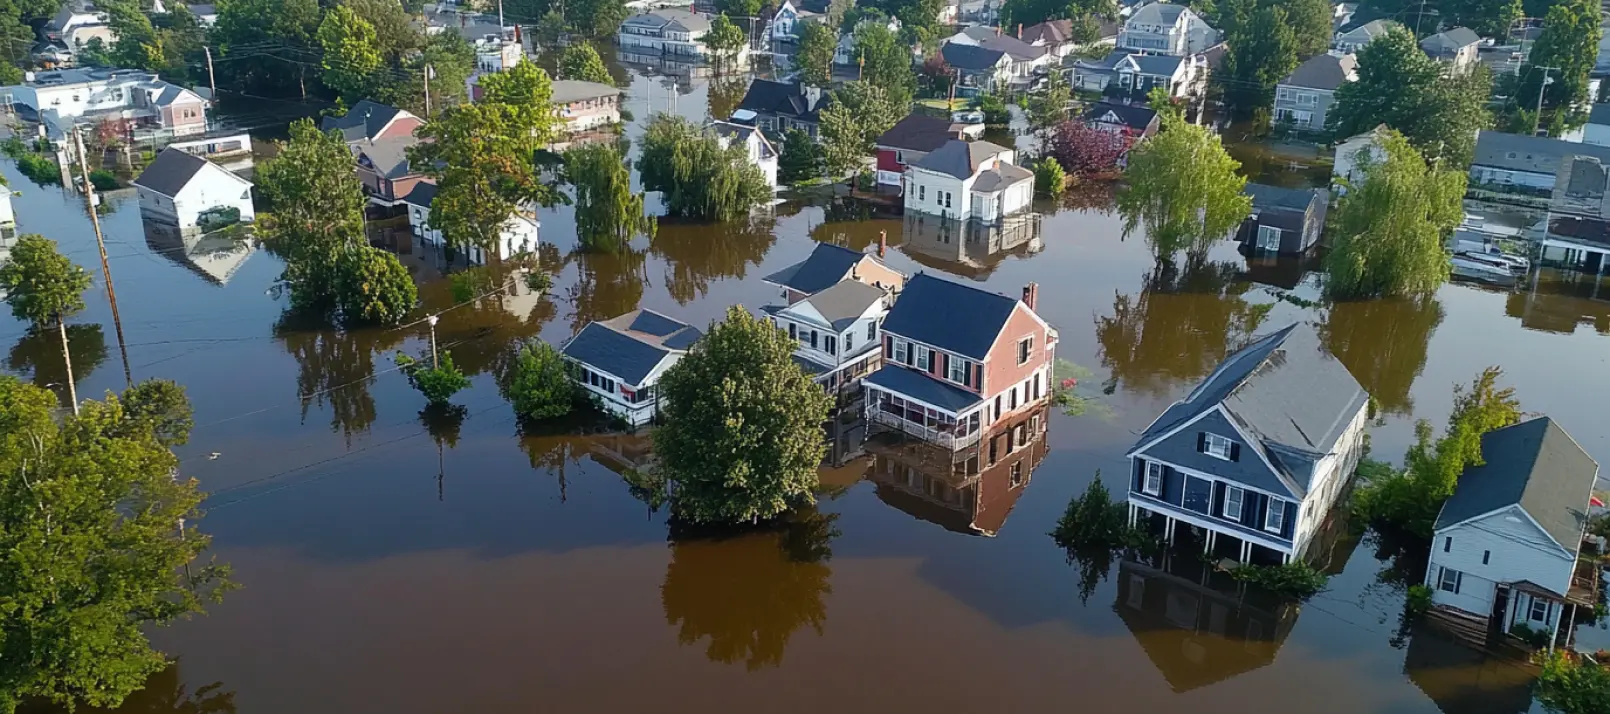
(621,359)
(1508,540)
(1250,462)
(757,149)
(837,332)
(380,136)
(193,194)
(521,233)
(1287,221)
(914,137)
(969,180)
(961,362)
(828,265)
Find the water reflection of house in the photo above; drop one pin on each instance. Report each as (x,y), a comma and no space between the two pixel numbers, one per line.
(1551,311)
(215,256)
(1196,626)
(1462,680)
(1277,271)
(969,248)
(972,495)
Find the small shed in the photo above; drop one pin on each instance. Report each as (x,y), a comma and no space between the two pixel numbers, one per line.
(1287,221)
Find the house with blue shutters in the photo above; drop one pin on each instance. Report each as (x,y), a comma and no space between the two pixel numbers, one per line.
(1248,465)
(620,360)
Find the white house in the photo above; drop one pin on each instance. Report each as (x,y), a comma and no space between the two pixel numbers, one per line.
(620,360)
(1166,28)
(965,180)
(1459,48)
(1354,39)
(785,24)
(844,53)
(1252,460)
(1512,530)
(837,332)
(8,219)
(1352,155)
(1137,73)
(759,151)
(192,193)
(520,233)
(676,34)
(135,97)
(496,53)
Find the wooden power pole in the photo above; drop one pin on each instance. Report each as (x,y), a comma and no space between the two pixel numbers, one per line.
(100,240)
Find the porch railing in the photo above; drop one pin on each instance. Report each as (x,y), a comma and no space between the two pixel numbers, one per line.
(926,433)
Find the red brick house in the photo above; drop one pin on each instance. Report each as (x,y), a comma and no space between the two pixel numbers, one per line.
(959,362)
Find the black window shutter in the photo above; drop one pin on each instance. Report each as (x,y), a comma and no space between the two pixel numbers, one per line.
(1201,442)
(1235,451)
(888,348)
(1458,581)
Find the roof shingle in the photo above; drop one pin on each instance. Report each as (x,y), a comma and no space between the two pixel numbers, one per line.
(951,316)
(1536,465)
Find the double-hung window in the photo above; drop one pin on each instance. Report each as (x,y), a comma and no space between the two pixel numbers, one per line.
(958,370)
(1274,520)
(1234,499)
(925,359)
(1216,446)
(902,352)
(1024,347)
(1154,479)
(1449,580)
(1540,610)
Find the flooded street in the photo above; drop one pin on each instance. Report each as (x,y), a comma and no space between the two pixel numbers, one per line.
(395,565)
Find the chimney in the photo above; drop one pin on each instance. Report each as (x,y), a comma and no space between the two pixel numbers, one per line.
(883,243)
(1031,294)
(1020,30)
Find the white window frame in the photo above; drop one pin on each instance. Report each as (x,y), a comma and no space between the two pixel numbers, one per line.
(1531,610)
(957,369)
(1267,233)
(1240,498)
(902,351)
(1025,353)
(1212,443)
(1153,470)
(1444,581)
(925,359)
(1274,517)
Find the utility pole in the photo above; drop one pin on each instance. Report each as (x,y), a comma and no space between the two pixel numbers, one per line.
(435,361)
(106,267)
(500,19)
(1540,85)
(212,81)
(428,71)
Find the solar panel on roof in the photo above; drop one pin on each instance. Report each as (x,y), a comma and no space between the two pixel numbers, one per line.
(654,324)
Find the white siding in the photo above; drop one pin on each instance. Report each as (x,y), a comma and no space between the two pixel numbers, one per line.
(1330,476)
(1515,550)
(927,191)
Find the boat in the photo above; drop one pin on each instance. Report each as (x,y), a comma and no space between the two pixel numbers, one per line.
(1482,268)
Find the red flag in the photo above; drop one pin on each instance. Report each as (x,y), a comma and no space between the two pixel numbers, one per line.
(1594,501)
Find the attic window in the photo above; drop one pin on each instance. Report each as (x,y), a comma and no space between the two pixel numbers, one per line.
(1217,446)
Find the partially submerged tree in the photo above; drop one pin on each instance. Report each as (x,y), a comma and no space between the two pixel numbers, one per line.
(437,379)
(1185,190)
(1261,54)
(45,287)
(539,385)
(817,43)
(98,539)
(699,177)
(741,439)
(1398,85)
(608,211)
(800,158)
(857,115)
(1084,151)
(1388,234)
(725,41)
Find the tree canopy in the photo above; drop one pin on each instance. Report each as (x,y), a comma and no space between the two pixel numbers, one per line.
(699,177)
(725,40)
(1388,233)
(741,438)
(817,44)
(1569,43)
(97,538)
(800,159)
(539,384)
(859,113)
(42,286)
(351,53)
(886,62)
(608,211)
(245,27)
(1400,86)
(1262,52)
(1185,190)
(581,61)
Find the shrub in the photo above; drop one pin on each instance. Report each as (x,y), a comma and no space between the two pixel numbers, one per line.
(39,169)
(1419,600)
(1049,178)
(1297,579)
(103,180)
(438,384)
(540,386)
(1536,638)
(1094,521)
(1572,686)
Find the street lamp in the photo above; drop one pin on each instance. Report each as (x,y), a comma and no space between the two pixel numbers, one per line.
(435,362)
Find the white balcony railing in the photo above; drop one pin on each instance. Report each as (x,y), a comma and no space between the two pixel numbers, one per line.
(944,438)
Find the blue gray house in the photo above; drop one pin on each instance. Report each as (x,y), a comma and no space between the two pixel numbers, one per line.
(1248,464)
(621,359)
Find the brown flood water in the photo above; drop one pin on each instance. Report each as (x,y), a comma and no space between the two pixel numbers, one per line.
(394,564)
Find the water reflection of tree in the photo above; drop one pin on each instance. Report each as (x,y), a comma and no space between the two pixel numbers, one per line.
(1383,343)
(607,285)
(337,368)
(1185,321)
(749,593)
(165,693)
(39,354)
(504,312)
(724,94)
(698,254)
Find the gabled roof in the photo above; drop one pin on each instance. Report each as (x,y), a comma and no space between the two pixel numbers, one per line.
(173,170)
(1326,71)
(999,178)
(960,159)
(1134,116)
(680,20)
(1017,49)
(786,99)
(1268,197)
(826,265)
(1534,465)
(1362,34)
(1050,32)
(1535,154)
(978,33)
(1450,41)
(1158,13)
(1155,65)
(742,133)
(970,57)
(844,302)
(422,195)
(365,120)
(951,316)
(388,157)
(566,91)
(1285,391)
(632,345)
(919,132)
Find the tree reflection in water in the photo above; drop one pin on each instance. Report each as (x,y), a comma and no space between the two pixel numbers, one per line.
(748,593)
(607,285)
(698,254)
(724,94)
(1383,343)
(337,368)
(1183,324)
(39,355)
(164,693)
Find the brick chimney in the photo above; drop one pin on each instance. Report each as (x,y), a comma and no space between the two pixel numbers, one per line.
(883,243)
(1031,295)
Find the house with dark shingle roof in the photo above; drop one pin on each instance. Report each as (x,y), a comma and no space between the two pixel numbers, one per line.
(620,360)
(1304,97)
(969,180)
(1457,47)
(1132,123)
(1166,28)
(379,136)
(1287,221)
(184,190)
(1133,73)
(371,120)
(914,137)
(828,265)
(777,107)
(1256,454)
(836,331)
(961,363)
(1355,38)
(1512,531)
(980,68)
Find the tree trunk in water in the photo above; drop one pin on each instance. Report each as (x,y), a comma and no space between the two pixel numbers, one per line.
(67,357)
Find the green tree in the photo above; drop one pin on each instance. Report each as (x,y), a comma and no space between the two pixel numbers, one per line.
(550,28)
(159,407)
(1569,42)
(42,286)
(1049,106)
(725,41)
(739,8)
(581,61)
(351,53)
(1400,86)
(1049,178)
(1572,685)
(527,89)
(817,44)
(1388,234)
(595,19)
(1311,23)
(608,211)
(1093,520)
(396,34)
(859,113)
(245,26)
(374,287)
(1261,54)
(886,62)
(450,60)
(800,158)
(437,383)
(1185,189)
(539,386)
(1489,18)
(97,538)
(316,212)
(1409,500)
(1030,12)
(699,177)
(742,438)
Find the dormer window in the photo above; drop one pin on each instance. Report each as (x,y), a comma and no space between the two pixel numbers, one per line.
(1217,446)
